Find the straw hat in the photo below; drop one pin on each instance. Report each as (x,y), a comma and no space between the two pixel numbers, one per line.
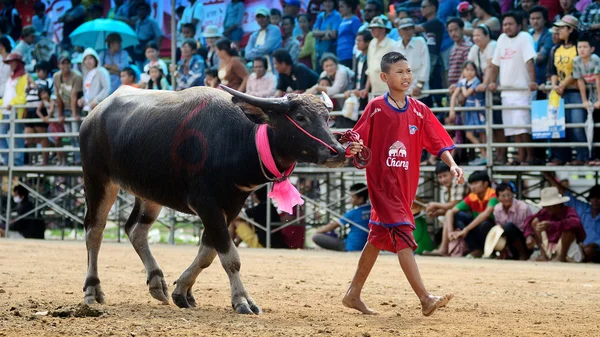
(380,22)
(551,197)
(567,21)
(211,31)
(494,241)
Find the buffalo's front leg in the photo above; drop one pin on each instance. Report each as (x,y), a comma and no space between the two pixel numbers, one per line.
(241,302)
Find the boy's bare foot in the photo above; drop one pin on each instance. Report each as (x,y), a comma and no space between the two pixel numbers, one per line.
(356,303)
(432,303)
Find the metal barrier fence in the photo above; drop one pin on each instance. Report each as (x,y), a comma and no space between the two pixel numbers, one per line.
(334,207)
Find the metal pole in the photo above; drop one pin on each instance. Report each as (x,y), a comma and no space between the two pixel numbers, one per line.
(11,164)
(327,195)
(118,218)
(268,187)
(488,127)
(173,42)
(172,232)
(37,212)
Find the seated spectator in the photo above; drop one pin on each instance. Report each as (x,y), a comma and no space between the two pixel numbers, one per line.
(152,52)
(241,230)
(264,41)
(42,22)
(96,81)
(128,77)
(28,227)
(14,94)
(559,222)
(290,43)
(158,80)
(325,29)
(211,35)
(510,214)
(232,72)
(339,75)
(147,31)
(11,16)
(114,60)
(308,52)
(212,78)
(325,236)
(261,83)
(472,218)
(452,194)
(4,32)
(466,88)
(25,47)
(189,71)
(347,31)
(297,77)
(233,22)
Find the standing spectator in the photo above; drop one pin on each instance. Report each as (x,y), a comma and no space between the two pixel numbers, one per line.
(527,5)
(434,30)
(340,76)
(114,59)
(415,50)
(42,22)
(120,6)
(379,46)
(486,15)
(5,71)
(326,27)
(347,31)
(308,52)
(297,76)
(292,8)
(96,11)
(513,58)
(264,41)
(4,32)
(363,39)
(511,214)
(561,72)
(560,222)
(261,83)
(71,19)
(413,8)
(591,21)
(474,216)
(373,9)
(14,94)
(147,31)
(291,44)
(357,237)
(568,8)
(482,51)
(194,14)
(96,81)
(232,71)
(465,12)
(190,69)
(151,53)
(459,52)
(25,47)
(68,86)
(232,24)
(314,8)
(542,39)
(586,70)
(12,18)
(211,35)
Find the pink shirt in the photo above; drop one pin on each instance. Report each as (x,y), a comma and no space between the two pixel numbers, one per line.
(261,87)
(516,214)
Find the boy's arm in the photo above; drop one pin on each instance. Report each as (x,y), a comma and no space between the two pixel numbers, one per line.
(449,218)
(454,169)
(582,91)
(328,228)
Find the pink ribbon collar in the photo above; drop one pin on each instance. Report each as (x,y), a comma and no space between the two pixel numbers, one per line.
(283,193)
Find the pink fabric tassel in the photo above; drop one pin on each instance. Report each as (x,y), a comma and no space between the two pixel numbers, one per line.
(283,193)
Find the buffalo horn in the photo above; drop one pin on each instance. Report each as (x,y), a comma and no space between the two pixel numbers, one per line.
(326,100)
(267,104)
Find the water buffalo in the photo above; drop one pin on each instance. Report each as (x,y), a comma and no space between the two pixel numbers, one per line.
(193,151)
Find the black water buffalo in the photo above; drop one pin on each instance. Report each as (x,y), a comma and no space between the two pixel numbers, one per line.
(193,151)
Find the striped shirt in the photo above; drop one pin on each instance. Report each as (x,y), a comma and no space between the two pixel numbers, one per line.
(458,55)
(456,192)
(516,214)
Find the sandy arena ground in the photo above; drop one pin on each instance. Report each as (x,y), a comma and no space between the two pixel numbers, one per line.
(299,291)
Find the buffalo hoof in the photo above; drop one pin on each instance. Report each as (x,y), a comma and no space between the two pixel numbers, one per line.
(93,295)
(256,309)
(180,301)
(190,298)
(158,288)
(243,308)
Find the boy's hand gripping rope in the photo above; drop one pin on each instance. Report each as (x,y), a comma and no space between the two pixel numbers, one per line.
(361,159)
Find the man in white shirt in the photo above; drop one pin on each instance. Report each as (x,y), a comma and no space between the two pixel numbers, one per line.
(514,59)
(416,51)
(379,46)
(194,14)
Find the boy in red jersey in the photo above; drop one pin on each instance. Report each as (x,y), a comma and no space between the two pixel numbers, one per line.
(396,128)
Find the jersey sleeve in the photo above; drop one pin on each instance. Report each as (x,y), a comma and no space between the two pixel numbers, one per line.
(436,139)
(363,126)
(463,206)
(493,202)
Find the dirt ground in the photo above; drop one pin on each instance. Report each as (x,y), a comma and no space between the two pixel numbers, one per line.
(299,291)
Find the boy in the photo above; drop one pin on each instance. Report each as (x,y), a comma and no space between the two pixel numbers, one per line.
(396,128)
(586,70)
(128,77)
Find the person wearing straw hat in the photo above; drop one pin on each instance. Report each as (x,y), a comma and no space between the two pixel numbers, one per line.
(211,35)
(380,45)
(14,94)
(264,41)
(510,215)
(556,221)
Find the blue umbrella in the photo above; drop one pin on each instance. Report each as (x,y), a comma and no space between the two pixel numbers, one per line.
(93,34)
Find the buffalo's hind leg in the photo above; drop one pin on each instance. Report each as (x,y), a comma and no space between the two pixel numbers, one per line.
(100,195)
(137,226)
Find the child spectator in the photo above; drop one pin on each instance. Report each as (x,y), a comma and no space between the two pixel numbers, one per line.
(212,78)
(42,70)
(586,70)
(157,79)
(44,110)
(153,59)
(357,237)
(276,18)
(466,87)
(128,77)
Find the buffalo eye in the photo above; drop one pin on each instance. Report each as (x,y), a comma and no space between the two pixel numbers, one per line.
(301,119)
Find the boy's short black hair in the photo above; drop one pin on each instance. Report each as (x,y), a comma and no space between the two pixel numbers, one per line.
(213,72)
(366,34)
(44,65)
(458,21)
(326,79)
(503,187)
(364,192)
(276,12)
(479,176)
(22,191)
(129,72)
(390,58)
(441,167)
(586,37)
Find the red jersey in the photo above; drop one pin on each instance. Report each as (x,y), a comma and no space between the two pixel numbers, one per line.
(396,138)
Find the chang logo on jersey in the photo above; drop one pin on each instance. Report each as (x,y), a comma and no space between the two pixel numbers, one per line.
(396,155)
(376,111)
(412,129)
(418,113)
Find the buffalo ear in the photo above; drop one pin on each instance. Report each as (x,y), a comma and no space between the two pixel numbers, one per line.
(255,114)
